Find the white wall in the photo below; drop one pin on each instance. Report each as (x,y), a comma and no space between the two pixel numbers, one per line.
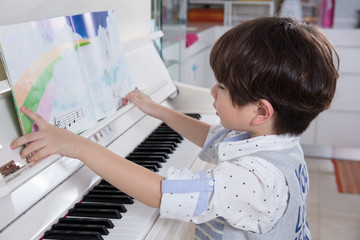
(133,15)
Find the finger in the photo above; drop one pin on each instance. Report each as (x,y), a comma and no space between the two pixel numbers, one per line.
(26,139)
(125,100)
(32,148)
(133,91)
(39,121)
(131,97)
(128,96)
(39,155)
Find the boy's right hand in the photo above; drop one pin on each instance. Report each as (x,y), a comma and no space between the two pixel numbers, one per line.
(47,140)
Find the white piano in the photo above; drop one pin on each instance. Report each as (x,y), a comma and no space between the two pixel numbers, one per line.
(34,197)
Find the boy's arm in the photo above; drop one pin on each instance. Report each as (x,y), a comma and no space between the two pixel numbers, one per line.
(135,180)
(191,128)
(127,176)
(194,130)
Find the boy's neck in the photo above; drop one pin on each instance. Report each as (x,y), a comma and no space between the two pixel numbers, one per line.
(261,134)
(261,130)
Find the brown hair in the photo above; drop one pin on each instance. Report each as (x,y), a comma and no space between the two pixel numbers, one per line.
(288,63)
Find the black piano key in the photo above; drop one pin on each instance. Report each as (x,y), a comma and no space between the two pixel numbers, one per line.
(78,235)
(167,142)
(158,144)
(95,205)
(108,199)
(164,131)
(104,182)
(80,227)
(162,154)
(104,187)
(154,149)
(163,138)
(88,221)
(146,158)
(107,192)
(151,167)
(168,135)
(193,115)
(164,127)
(101,213)
(147,162)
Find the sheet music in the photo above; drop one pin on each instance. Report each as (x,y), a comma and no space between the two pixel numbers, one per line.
(66,120)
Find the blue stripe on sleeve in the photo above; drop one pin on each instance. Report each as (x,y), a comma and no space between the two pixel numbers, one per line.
(203,200)
(187,186)
(203,185)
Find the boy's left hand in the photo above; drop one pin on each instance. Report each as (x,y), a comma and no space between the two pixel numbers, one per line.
(47,140)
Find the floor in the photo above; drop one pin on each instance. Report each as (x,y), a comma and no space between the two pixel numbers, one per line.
(331,215)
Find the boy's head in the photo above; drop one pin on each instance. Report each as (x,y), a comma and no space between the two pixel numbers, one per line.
(288,63)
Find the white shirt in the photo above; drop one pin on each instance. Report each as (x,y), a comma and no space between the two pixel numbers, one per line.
(247,191)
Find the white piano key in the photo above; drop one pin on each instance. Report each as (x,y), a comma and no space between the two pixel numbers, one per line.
(135,223)
(183,157)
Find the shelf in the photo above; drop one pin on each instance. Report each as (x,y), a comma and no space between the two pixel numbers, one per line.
(234,12)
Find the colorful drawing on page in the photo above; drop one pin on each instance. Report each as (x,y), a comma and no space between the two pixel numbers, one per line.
(59,65)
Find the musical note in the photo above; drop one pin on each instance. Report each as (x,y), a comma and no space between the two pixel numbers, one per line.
(116,92)
(69,118)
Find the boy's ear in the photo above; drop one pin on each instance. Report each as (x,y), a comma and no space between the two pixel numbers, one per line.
(263,113)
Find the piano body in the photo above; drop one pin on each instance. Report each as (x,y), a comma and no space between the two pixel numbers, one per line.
(36,196)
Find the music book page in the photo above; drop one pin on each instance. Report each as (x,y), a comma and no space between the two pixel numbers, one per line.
(70,69)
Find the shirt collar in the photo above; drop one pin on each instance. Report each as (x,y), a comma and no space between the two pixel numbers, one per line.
(232,148)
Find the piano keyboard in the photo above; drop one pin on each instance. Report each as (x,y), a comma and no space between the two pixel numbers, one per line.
(107,213)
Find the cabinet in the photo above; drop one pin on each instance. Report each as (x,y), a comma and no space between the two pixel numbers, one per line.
(311,11)
(234,12)
(197,70)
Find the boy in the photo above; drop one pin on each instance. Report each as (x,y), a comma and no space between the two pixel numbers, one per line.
(275,75)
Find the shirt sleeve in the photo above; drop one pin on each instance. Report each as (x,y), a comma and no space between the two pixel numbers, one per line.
(185,194)
(250,194)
